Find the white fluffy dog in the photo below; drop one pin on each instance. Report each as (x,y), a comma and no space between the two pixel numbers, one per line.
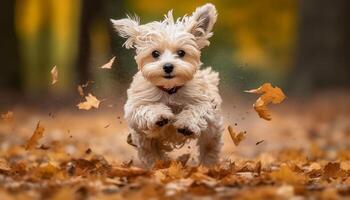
(171,99)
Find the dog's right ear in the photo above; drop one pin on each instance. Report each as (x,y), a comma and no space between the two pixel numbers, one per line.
(127,28)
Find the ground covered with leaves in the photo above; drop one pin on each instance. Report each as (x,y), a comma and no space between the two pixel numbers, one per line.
(302,153)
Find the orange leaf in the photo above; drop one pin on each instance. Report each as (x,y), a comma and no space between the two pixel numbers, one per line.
(269,95)
(117,171)
(236,138)
(7,117)
(91,101)
(54,75)
(109,64)
(37,135)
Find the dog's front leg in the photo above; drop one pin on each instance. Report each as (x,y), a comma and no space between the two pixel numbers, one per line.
(193,119)
(149,117)
(205,122)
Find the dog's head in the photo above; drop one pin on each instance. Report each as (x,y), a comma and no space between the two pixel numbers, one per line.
(168,52)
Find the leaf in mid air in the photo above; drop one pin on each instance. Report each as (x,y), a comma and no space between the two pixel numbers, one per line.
(109,64)
(269,95)
(236,138)
(91,102)
(37,135)
(54,75)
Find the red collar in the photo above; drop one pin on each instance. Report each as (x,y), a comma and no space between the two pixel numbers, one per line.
(170,90)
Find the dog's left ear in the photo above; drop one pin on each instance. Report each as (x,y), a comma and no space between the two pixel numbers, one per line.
(201,23)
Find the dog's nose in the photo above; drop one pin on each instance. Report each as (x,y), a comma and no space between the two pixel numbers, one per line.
(168,68)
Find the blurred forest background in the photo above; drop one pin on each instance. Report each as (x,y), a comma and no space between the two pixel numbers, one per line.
(302,46)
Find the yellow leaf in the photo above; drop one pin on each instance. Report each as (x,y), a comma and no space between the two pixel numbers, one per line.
(109,64)
(37,135)
(269,95)
(54,75)
(236,138)
(91,101)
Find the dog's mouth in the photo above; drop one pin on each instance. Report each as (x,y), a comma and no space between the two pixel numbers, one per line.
(168,76)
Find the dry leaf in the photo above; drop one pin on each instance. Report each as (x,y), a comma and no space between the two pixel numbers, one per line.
(7,117)
(175,171)
(54,75)
(37,135)
(109,64)
(91,101)
(4,166)
(286,175)
(270,95)
(117,171)
(46,171)
(236,138)
(80,90)
(331,170)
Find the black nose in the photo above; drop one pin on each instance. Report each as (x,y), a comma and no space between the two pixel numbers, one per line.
(168,68)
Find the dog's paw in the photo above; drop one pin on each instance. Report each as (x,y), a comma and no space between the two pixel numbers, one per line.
(187,127)
(159,120)
(185,131)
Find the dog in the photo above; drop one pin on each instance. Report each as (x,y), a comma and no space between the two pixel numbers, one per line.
(171,99)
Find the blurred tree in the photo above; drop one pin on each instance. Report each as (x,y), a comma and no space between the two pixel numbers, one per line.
(46,31)
(322,54)
(9,55)
(91,11)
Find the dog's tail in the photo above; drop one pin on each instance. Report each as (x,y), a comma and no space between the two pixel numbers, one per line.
(212,77)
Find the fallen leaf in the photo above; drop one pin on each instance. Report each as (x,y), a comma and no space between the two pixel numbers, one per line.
(37,135)
(109,64)
(175,171)
(7,117)
(54,75)
(4,166)
(331,170)
(46,171)
(285,191)
(117,171)
(269,95)
(91,101)
(286,175)
(80,90)
(236,138)
(345,166)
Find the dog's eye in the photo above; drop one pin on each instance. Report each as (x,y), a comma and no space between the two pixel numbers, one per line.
(155,54)
(181,53)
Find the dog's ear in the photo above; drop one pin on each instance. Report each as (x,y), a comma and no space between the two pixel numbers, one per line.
(127,28)
(201,23)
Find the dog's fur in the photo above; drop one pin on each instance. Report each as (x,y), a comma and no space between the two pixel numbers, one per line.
(163,112)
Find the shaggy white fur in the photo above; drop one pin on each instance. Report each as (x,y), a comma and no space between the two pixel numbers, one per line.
(171,100)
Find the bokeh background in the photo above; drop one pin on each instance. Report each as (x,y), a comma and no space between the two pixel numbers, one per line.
(301,46)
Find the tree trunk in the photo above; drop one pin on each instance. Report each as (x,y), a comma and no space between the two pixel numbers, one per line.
(323,46)
(9,55)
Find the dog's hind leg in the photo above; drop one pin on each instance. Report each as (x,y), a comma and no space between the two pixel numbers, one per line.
(149,150)
(210,142)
